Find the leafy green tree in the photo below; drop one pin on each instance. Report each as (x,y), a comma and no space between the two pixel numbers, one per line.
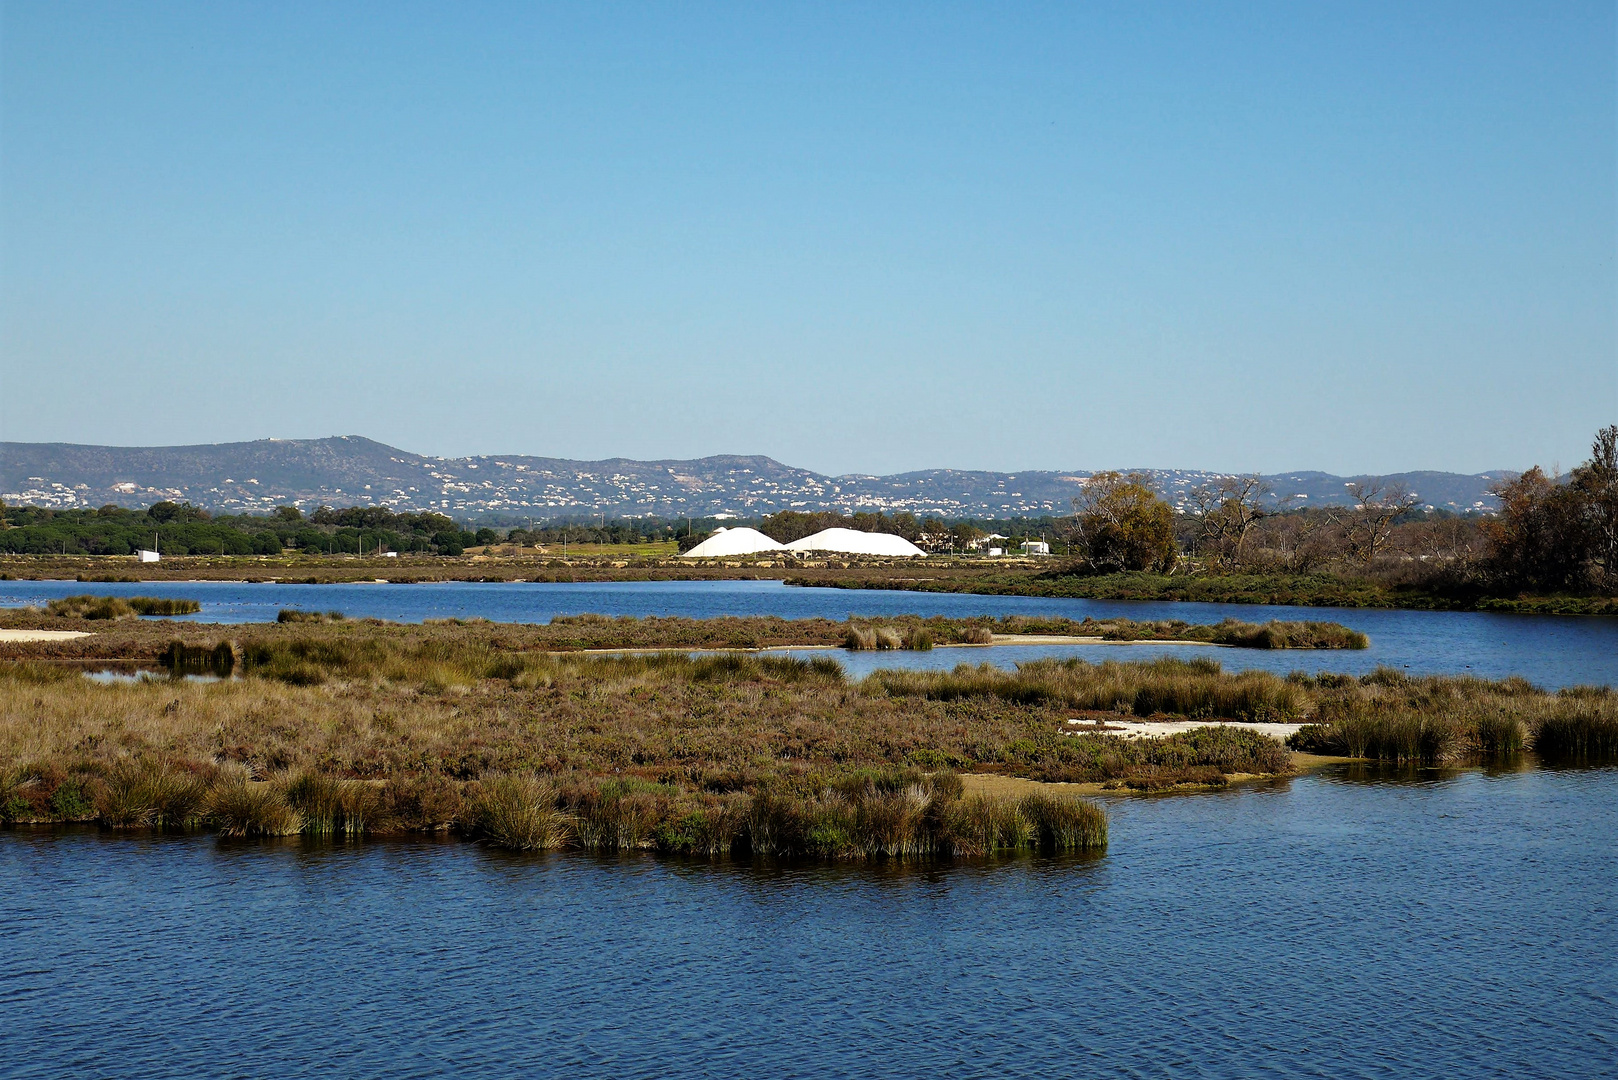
(963,534)
(1119,523)
(164,512)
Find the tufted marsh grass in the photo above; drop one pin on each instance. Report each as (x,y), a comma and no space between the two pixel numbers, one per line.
(119,607)
(1389,716)
(357,728)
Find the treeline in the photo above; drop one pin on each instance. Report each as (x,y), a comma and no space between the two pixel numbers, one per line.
(183,529)
(1551,534)
(611,531)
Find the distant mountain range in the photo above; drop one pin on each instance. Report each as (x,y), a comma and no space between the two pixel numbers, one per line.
(255,477)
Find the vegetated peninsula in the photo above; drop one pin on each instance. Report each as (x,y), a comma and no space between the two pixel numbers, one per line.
(362,728)
(599,632)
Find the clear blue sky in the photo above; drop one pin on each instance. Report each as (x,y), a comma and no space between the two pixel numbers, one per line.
(1359,238)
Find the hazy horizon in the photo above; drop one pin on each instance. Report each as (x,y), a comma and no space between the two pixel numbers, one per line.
(1080,468)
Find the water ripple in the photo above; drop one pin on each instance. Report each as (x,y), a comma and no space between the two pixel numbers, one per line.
(1455,925)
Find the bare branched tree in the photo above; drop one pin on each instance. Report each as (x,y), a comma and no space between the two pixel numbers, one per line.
(1226,511)
(1597,481)
(1367,527)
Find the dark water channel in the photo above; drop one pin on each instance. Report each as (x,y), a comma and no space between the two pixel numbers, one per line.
(1425,925)
(1553,651)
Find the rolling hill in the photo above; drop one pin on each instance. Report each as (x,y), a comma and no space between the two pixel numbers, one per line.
(254,477)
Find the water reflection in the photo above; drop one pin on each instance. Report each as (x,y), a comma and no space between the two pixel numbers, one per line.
(115,677)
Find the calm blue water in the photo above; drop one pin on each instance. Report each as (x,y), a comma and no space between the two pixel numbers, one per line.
(1553,651)
(1449,926)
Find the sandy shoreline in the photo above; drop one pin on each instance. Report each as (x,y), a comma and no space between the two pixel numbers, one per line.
(1070,639)
(42,635)
(997,784)
(1159,729)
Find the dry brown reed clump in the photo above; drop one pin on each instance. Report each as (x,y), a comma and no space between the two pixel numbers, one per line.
(118,607)
(330,805)
(237,806)
(860,637)
(1389,716)
(91,607)
(158,605)
(1271,635)
(1283,635)
(1192,688)
(1584,730)
(1064,824)
(980,825)
(864,636)
(293,615)
(518,811)
(150,795)
(903,814)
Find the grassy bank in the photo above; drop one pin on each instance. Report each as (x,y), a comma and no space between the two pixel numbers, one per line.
(133,641)
(1388,716)
(1302,590)
(1001,576)
(913,632)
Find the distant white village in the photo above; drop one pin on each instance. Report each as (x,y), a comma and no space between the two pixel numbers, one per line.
(350,471)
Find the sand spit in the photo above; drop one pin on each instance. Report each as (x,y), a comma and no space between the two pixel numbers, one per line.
(999,639)
(1070,639)
(1158,729)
